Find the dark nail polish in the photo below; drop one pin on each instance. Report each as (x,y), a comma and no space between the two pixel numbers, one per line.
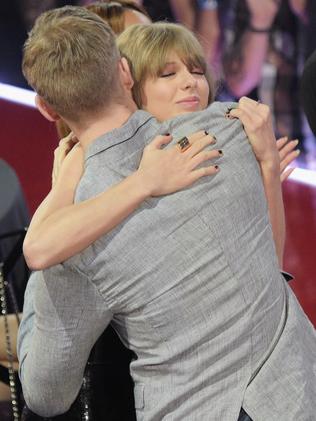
(167,134)
(206,132)
(220,152)
(216,167)
(214,139)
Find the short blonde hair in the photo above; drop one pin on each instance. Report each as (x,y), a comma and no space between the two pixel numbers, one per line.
(70,59)
(146,48)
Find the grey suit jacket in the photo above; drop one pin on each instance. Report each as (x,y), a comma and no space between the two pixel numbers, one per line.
(190,282)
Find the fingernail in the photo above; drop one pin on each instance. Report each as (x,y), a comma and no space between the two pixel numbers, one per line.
(214,139)
(227,115)
(216,167)
(297,151)
(229,109)
(220,151)
(167,134)
(206,132)
(296,141)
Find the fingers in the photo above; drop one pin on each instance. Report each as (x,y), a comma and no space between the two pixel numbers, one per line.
(203,156)
(285,175)
(286,147)
(287,155)
(203,172)
(159,141)
(281,142)
(288,159)
(199,141)
(253,114)
(64,147)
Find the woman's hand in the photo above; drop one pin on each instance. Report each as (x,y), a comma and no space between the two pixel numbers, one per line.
(165,171)
(257,122)
(287,154)
(64,147)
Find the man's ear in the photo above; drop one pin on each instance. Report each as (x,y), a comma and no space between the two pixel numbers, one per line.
(125,74)
(45,109)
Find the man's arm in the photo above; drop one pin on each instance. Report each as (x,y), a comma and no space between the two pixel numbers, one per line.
(64,316)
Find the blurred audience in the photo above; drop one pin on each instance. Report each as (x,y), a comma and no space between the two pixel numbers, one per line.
(257,48)
(262,56)
(201,16)
(308,91)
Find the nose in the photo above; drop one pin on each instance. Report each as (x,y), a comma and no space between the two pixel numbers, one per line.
(188,80)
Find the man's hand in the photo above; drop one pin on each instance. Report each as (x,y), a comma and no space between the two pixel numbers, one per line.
(168,170)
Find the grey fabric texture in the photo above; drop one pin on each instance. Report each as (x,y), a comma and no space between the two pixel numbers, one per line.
(190,282)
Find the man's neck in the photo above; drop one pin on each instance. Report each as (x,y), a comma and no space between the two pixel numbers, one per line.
(114,117)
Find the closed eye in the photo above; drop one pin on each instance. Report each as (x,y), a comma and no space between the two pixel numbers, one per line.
(168,74)
(198,72)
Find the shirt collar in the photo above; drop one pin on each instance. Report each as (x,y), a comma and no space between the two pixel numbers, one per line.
(119,135)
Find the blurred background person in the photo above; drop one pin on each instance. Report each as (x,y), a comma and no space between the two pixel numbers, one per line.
(308,91)
(262,56)
(201,17)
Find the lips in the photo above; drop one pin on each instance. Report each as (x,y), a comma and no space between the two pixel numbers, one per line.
(189,102)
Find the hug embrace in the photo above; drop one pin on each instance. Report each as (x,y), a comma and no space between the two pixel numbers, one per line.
(176,243)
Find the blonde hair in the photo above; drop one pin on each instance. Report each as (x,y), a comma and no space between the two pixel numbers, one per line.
(146,47)
(70,59)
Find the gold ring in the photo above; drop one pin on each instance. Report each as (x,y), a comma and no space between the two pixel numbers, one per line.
(184,144)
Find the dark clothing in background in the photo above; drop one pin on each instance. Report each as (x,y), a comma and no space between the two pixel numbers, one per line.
(159,10)
(13,33)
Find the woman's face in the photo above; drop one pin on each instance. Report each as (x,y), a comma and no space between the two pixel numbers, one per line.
(176,91)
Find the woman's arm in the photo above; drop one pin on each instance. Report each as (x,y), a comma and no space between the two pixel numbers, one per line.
(56,233)
(257,122)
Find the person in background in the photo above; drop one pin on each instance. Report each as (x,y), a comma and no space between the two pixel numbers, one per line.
(262,55)
(201,17)
(308,91)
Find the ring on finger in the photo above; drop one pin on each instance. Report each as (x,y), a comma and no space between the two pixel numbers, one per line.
(183,144)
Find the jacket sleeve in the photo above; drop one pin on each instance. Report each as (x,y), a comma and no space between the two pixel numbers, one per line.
(64,316)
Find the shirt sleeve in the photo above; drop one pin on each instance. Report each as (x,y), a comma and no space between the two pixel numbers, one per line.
(65,315)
